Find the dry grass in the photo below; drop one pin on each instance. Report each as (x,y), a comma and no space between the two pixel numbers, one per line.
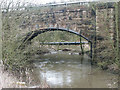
(7,80)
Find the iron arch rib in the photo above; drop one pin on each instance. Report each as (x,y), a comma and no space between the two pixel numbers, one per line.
(33,34)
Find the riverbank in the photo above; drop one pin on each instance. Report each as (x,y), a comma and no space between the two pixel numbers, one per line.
(7,80)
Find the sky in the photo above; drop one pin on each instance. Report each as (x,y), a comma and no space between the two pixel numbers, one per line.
(42,1)
(48,1)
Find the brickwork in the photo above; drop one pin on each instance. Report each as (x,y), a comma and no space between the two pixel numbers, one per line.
(77,18)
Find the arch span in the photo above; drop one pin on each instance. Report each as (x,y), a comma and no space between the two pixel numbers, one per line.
(31,35)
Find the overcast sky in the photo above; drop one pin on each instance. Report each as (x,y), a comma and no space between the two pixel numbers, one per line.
(43,1)
(47,1)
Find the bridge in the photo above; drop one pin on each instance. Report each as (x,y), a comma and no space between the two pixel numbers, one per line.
(84,21)
(31,35)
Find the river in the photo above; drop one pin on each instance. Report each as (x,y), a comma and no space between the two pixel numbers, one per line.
(71,70)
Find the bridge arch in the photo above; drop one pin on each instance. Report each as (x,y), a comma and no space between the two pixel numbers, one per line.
(33,34)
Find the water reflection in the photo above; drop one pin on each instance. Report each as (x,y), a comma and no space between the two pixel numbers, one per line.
(64,70)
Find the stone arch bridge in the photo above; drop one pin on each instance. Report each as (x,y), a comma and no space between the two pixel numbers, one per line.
(87,20)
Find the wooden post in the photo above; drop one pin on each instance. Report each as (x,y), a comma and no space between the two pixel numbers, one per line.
(91,50)
(81,44)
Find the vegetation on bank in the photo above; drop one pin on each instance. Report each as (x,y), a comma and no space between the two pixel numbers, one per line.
(107,51)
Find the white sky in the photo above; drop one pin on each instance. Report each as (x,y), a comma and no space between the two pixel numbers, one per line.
(42,1)
(47,1)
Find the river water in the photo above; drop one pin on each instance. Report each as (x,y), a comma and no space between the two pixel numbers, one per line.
(71,70)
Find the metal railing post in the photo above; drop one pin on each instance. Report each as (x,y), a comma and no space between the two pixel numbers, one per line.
(91,55)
